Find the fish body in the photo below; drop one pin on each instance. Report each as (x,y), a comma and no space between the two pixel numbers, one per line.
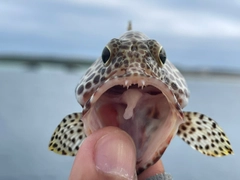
(135,87)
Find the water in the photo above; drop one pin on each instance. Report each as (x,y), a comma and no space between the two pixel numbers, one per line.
(32,103)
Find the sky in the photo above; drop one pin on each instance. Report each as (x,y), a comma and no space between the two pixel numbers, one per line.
(201,34)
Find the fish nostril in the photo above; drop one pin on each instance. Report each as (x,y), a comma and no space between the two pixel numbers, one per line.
(134,48)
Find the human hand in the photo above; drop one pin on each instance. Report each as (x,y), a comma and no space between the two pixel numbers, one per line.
(109,153)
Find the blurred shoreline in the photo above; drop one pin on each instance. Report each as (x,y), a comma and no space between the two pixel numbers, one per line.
(75,63)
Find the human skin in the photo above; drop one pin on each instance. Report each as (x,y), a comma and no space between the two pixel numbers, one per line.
(109,153)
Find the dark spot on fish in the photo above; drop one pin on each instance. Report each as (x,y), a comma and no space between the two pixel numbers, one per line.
(88,85)
(64,153)
(183,127)
(215,152)
(103,71)
(201,116)
(188,123)
(199,138)
(222,140)
(55,145)
(185,135)
(109,69)
(196,147)
(204,137)
(228,142)
(116,65)
(179,132)
(80,89)
(207,147)
(199,123)
(214,125)
(96,79)
(174,86)
(75,115)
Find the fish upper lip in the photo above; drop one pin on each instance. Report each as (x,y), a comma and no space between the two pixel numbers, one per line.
(129,81)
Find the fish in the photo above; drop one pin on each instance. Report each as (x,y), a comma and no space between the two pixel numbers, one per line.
(134,86)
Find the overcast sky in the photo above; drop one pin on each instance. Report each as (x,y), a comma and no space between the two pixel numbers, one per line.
(200,33)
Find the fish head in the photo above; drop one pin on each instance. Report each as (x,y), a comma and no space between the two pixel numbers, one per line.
(134,86)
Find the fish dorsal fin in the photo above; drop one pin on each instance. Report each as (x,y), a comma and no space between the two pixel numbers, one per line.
(129,26)
(68,135)
(203,134)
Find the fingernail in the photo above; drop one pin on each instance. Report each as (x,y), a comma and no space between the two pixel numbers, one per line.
(115,154)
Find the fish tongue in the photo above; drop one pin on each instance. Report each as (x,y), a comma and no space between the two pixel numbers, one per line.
(130,97)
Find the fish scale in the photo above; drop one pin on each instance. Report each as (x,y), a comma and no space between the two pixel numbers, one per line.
(135,87)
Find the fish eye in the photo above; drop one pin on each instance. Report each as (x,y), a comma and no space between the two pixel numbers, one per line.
(105,55)
(162,55)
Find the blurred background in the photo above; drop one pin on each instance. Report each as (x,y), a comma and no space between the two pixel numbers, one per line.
(46,46)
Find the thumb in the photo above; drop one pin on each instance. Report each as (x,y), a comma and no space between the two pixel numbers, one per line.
(108,153)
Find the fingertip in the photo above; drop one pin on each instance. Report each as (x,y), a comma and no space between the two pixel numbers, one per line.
(107,152)
(115,154)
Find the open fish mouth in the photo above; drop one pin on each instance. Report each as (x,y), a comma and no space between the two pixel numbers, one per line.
(143,107)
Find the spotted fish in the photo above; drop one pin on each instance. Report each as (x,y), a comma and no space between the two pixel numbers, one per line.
(134,86)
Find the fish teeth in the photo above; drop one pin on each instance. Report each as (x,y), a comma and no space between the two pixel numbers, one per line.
(143,83)
(126,83)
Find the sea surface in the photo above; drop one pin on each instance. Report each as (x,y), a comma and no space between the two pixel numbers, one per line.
(33,102)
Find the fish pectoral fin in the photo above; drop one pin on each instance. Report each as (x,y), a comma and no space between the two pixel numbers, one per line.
(68,135)
(203,134)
